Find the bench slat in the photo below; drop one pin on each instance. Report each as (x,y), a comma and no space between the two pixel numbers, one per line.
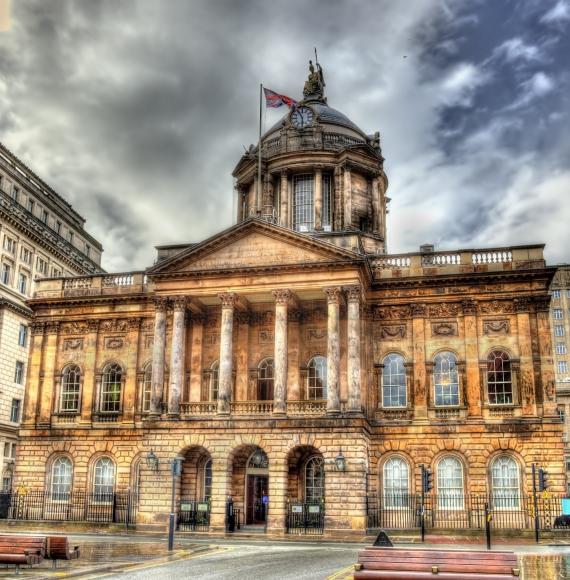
(403,575)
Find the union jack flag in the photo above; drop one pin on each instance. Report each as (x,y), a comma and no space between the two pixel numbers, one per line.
(274,100)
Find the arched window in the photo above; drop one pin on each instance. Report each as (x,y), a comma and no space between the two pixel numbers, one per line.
(303,205)
(499,378)
(208,479)
(147,388)
(70,388)
(265,380)
(450,484)
(394,381)
(317,378)
(103,479)
(61,478)
(111,388)
(315,478)
(214,381)
(505,483)
(446,380)
(396,483)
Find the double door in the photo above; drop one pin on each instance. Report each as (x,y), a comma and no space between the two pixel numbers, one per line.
(257,499)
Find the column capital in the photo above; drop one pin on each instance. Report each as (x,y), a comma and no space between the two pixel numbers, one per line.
(354,293)
(228,299)
(38,327)
(522,304)
(92,325)
(134,323)
(542,303)
(334,294)
(419,310)
(179,302)
(469,307)
(160,303)
(282,296)
(52,327)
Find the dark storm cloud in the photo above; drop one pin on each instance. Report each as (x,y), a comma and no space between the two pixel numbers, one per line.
(137,111)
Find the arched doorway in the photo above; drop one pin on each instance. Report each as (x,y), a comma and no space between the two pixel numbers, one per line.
(250,484)
(194,504)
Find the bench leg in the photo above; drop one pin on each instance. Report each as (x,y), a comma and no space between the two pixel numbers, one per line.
(54,563)
(17,569)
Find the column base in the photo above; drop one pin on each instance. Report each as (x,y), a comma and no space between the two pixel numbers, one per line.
(173,415)
(354,412)
(153,416)
(333,412)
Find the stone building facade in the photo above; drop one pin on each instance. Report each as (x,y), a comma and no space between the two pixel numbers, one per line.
(290,358)
(40,236)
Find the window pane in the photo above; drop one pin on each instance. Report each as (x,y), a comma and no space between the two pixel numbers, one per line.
(505,484)
(303,216)
(327,203)
(61,479)
(104,479)
(394,381)
(70,386)
(396,483)
(265,380)
(499,378)
(208,479)
(147,388)
(315,479)
(317,378)
(450,484)
(111,389)
(214,381)
(446,380)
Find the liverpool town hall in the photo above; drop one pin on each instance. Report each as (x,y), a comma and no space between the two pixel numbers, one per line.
(303,376)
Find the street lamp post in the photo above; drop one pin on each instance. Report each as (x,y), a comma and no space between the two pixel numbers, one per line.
(176,470)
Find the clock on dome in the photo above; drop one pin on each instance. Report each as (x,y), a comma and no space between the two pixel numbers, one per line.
(302,117)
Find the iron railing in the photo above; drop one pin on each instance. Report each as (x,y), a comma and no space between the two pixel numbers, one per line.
(193,514)
(305,517)
(509,512)
(76,506)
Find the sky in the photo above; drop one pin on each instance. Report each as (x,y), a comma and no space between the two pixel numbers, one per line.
(137,111)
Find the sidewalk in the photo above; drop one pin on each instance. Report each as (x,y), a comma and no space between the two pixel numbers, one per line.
(101,556)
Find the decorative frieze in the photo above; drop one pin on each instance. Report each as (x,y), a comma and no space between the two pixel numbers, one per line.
(391,312)
(73,344)
(444,329)
(114,325)
(443,310)
(113,342)
(265,336)
(497,307)
(391,332)
(469,307)
(496,326)
(315,334)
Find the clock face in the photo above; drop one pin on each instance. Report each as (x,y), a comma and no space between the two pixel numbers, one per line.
(302,117)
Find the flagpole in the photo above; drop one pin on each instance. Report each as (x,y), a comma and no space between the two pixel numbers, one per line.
(258,205)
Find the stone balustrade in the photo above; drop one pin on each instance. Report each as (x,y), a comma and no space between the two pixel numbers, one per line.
(63,419)
(198,409)
(310,408)
(251,408)
(459,261)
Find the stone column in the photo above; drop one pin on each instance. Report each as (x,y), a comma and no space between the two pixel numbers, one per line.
(284,199)
(226,352)
(472,371)
(527,384)
(242,356)
(354,299)
(282,298)
(34,373)
(47,388)
(196,357)
(548,395)
(421,383)
(347,190)
(88,390)
(177,355)
(131,383)
(294,385)
(334,298)
(158,349)
(318,198)
(376,209)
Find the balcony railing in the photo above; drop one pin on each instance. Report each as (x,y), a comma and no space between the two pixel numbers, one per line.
(251,408)
(199,408)
(459,261)
(307,408)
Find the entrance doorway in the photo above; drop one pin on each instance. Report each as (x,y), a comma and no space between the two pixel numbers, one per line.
(257,499)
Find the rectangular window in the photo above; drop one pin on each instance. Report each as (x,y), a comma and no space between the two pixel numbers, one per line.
(87,250)
(327,203)
(56,272)
(556,294)
(26,255)
(9,244)
(562,366)
(58,227)
(45,216)
(303,205)
(22,283)
(41,266)
(15,411)
(6,274)
(558,330)
(19,373)
(23,335)
(31,205)
(560,348)
(15,193)
(70,237)
(557,314)
(568,293)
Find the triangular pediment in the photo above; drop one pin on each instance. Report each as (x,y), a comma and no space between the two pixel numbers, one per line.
(254,244)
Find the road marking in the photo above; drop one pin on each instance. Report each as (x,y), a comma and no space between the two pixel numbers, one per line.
(342,573)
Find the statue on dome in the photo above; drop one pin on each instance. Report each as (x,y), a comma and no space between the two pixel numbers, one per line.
(315,83)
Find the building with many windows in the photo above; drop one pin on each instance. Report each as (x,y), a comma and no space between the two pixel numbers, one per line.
(295,367)
(41,235)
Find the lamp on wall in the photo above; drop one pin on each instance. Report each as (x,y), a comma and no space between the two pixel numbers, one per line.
(152,461)
(340,461)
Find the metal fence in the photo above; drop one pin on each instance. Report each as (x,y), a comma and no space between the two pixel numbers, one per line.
(305,517)
(76,506)
(193,514)
(403,511)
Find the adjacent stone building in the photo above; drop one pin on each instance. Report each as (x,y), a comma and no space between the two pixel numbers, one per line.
(293,364)
(41,235)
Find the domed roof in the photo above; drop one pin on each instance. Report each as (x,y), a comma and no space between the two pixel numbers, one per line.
(325,115)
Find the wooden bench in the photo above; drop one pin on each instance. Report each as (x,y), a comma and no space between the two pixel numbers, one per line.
(399,564)
(58,548)
(18,550)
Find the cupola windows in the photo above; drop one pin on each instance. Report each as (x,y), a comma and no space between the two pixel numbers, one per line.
(303,203)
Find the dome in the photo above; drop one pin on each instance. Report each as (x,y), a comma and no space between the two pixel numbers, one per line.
(325,115)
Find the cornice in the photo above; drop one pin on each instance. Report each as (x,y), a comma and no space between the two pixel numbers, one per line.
(90,300)
(44,236)
(15,307)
